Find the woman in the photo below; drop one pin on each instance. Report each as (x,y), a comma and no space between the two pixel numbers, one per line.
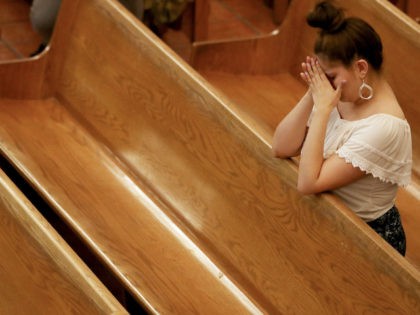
(349,128)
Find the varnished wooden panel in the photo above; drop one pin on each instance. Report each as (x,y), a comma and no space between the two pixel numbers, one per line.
(408,202)
(244,61)
(220,181)
(158,173)
(12,11)
(413,9)
(201,16)
(280,10)
(12,84)
(266,54)
(120,223)
(39,273)
(273,96)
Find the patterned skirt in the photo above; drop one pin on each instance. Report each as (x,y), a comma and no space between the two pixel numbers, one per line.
(390,228)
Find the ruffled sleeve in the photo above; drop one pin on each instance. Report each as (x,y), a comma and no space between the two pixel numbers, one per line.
(381,147)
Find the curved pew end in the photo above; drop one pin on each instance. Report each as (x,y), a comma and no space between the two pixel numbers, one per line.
(174,191)
(40,273)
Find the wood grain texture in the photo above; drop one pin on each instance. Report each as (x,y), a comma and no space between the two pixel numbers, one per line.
(122,225)
(408,203)
(413,9)
(32,86)
(273,96)
(201,16)
(280,10)
(160,175)
(219,181)
(267,54)
(39,273)
(263,100)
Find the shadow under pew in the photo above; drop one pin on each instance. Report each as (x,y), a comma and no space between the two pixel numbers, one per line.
(40,273)
(260,75)
(175,192)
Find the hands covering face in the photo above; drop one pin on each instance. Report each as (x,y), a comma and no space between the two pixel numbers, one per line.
(325,97)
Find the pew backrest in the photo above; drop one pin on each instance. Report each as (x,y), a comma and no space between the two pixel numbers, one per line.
(179,136)
(179,140)
(40,273)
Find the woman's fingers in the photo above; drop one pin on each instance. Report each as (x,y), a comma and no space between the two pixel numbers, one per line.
(304,77)
(319,71)
(303,73)
(309,69)
(312,72)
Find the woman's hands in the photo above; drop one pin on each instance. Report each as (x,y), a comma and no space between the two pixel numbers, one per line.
(325,97)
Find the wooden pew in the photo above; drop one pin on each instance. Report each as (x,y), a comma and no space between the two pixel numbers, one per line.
(413,10)
(40,273)
(178,194)
(200,14)
(261,76)
(410,7)
(279,10)
(128,230)
(195,21)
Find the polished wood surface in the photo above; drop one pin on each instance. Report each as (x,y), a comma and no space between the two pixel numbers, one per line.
(280,10)
(263,82)
(266,54)
(177,193)
(40,274)
(413,9)
(410,7)
(33,86)
(408,203)
(273,96)
(123,225)
(17,38)
(201,16)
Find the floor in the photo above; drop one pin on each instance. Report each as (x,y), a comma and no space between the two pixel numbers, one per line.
(228,19)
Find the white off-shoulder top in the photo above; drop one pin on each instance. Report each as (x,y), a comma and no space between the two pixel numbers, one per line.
(380,145)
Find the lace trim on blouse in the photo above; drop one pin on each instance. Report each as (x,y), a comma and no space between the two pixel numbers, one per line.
(379,145)
(394,172)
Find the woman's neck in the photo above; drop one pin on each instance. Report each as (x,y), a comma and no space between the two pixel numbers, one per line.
(383,101)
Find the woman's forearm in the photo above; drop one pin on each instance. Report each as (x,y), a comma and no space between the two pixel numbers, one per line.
(290,133)
(312,157)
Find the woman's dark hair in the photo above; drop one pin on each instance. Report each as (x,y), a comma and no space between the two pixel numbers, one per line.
(344,39)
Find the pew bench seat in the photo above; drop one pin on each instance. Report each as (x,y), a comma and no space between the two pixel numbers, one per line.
(261,101)
(120,223)
(40,273)
(260,76)
(174,191)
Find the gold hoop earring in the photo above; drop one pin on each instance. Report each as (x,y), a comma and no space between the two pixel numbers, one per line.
(367,87)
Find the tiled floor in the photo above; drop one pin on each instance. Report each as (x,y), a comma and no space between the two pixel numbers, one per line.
(17,38)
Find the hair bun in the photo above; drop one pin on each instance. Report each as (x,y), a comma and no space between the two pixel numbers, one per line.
(326,16)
